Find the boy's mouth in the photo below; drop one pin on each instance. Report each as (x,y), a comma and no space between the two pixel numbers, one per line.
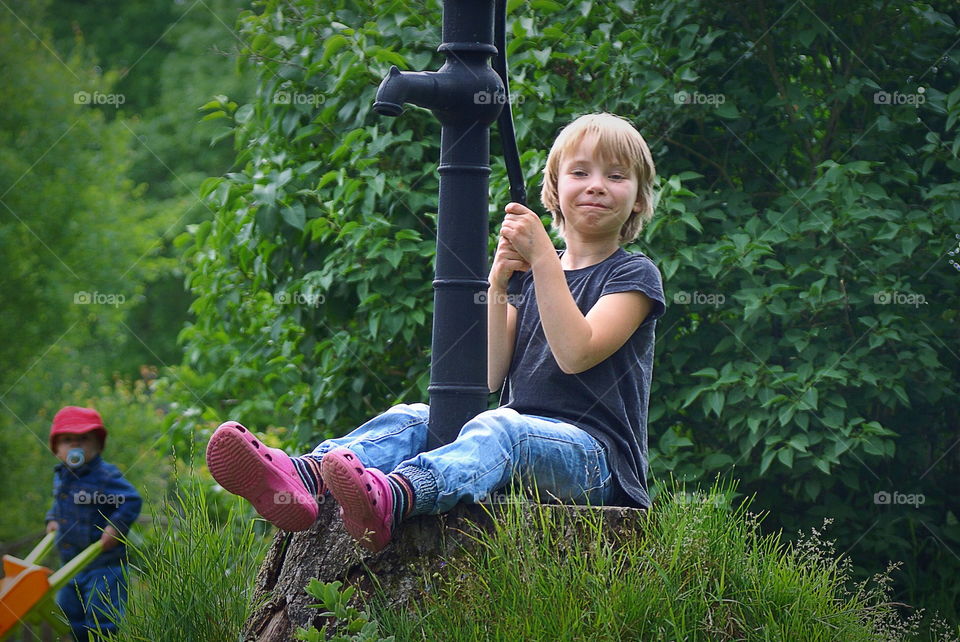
(593,204)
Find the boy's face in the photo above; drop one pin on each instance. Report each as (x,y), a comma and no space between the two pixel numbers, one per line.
(88,441)
(596,198)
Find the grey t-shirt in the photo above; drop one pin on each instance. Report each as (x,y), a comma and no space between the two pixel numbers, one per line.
(608,401)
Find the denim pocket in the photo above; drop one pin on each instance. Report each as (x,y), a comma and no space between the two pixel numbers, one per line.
(600,477)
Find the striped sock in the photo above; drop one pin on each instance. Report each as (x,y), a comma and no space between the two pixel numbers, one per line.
(308,468)
(403,496)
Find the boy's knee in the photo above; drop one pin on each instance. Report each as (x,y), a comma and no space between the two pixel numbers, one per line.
(418,410)
(505,423)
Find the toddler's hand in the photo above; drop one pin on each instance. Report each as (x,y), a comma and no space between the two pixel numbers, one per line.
(109,538)
(52,525)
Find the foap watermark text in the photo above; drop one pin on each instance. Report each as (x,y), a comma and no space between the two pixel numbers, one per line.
(98,98)
(97,498)
(98,298)
(483,97)
(482,298)
(697,98)
(297,98)
(897,98)
(884,498)
(699,298)
(885,297)
(299,298)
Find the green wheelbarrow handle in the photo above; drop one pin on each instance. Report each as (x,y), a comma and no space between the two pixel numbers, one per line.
(68,571)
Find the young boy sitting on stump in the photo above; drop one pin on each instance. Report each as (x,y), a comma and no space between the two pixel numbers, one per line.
(571,331)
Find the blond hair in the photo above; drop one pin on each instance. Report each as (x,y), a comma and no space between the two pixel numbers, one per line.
(617,141)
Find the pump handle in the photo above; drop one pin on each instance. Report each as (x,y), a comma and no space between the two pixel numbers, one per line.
(508,138)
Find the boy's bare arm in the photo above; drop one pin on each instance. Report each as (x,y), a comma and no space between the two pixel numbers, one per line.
(580,342)
(577,342)
(501,316)
(501,334)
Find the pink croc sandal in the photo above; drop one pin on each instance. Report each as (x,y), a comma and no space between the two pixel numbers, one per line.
(264,476)
(366,501)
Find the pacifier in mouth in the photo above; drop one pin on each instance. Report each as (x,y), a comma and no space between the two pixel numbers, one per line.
(76,457)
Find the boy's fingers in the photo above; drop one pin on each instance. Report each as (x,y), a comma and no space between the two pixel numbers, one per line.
(517,208)
(511,255)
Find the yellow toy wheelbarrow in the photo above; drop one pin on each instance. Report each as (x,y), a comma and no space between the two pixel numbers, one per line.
(28,590)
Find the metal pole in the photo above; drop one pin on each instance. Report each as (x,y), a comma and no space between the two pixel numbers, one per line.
(466,96)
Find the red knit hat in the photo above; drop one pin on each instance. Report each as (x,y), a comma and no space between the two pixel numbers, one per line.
(74,420)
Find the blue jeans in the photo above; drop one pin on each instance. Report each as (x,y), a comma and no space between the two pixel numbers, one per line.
(102,596)
(493,449)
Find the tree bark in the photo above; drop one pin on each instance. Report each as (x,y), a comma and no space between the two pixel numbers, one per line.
(402,570)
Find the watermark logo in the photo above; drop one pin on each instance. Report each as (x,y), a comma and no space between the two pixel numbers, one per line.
(98,298)
(897,98)
(696,98)
(98,98)
(296,98)
(484,97)
(286,498)
(884,498)
(883,297)
(501,497)
(97,498)
(299,298)
(481,298)
(699,298)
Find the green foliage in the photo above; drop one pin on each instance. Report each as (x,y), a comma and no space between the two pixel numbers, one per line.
(805,204)
(357,624)
(169,61)
(307,276)
(193,574)
(698,569)
(73,236)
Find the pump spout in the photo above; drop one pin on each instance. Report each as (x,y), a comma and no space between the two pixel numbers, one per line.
(398,87)
(465,90)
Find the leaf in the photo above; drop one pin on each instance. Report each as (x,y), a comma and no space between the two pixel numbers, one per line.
(810,399)
(294,215)
(285,41)
(785,455)
(243,114)
(706,372)
(728,111)
(332,45)
(713,402)
(692,396)
(765,461)
(714,461)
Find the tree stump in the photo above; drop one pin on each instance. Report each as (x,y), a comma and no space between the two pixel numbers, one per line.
(327,552)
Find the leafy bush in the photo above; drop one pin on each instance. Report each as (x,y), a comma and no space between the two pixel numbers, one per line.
(74,236)
(807,188)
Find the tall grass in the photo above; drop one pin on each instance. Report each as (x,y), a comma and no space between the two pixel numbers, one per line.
(193,572)
(700,570)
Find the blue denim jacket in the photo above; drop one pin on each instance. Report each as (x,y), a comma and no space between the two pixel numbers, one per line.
(85,501)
